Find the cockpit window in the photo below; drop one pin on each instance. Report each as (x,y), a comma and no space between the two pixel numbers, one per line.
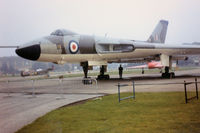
(62,32)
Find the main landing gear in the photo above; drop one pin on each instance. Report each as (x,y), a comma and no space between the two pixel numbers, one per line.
(102,75)
(167,74)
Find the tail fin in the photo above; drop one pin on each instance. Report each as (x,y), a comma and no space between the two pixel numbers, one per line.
(159,33)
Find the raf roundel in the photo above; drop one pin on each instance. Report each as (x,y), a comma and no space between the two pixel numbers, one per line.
(73,47)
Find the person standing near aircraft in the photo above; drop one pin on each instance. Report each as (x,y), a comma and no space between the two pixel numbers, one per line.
(120,71)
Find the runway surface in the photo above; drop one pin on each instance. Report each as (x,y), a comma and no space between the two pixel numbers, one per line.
(20,104)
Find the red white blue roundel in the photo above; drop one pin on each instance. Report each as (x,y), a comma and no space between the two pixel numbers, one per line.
(73,47)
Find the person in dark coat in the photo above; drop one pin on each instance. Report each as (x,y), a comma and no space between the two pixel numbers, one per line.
(120,71)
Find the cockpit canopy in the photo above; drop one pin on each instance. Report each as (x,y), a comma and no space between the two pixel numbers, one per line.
(62,32)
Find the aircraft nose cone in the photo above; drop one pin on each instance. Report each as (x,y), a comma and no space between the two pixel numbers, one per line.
(30,52)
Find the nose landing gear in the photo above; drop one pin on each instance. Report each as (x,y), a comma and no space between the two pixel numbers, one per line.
(86,80)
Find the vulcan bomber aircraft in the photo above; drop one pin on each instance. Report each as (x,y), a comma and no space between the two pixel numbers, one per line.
(64,46)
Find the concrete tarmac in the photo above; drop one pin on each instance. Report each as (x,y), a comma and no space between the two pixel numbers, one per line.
(18,107)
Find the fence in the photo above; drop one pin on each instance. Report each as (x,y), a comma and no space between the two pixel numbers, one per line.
(185,88)
(123,85)
(48,86)
(184,83)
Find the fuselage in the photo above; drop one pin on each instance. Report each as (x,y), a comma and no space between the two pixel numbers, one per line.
(61,48)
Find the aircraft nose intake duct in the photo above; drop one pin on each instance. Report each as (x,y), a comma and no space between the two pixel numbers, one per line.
(30,52)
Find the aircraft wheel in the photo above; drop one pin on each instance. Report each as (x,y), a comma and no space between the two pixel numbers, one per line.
(106,77)
(87,81)
(164,75)
(172,75)
(168,75)
(103,77)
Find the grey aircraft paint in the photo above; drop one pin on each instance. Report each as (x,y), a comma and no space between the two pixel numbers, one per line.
(66,46)
(159,34)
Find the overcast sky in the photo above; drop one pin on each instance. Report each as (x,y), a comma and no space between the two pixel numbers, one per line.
(24,20)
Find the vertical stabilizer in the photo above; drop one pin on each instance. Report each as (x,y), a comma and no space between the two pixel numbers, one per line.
(159,33)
